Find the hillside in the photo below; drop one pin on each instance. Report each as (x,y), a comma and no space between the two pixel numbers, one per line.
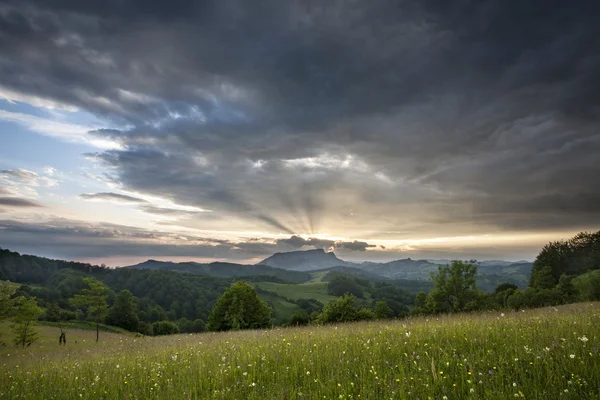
(224,269)
(307,260)
(491,273)
(412,358)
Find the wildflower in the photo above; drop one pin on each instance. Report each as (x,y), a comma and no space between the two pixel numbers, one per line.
(514,384)
(572,356)
(583,338)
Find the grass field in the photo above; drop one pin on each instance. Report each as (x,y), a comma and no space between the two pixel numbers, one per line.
(312,290)
(550,353)
(282,310)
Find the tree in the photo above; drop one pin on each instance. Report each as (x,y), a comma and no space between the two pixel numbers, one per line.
(24,320)
(93,300)
(382,310)
(122,313)
(7,303)
(566,290)
(340,285)
(340,310)
(503,287)
(454,288)
(239,308)
(164,328)
(542,278)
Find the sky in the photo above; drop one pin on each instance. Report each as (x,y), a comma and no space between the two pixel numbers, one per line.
(230,130)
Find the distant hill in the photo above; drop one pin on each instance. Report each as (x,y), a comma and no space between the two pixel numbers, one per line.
(224,269)
(401,269)
(491,273)
(307,260)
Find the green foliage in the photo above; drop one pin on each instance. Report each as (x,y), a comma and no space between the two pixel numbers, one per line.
(566,290)
(365,314)
(454,288)
(92,300)
(382,310)
(239,308)
(7,303)
(340,284)
(187,326)
(23,322)
(300,318)
(542,278)
(575,256)
(160,328)
(503,287)
(340,310)
(535,355)
(588,285)
(123,313)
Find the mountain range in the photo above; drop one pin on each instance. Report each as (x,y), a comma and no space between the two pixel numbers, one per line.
(295,266)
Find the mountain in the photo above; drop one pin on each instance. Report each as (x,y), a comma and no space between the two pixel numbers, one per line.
(490,273)
(306,260)
(224,269)
(401,269)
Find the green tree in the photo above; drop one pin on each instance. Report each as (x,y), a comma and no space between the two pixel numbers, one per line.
(164,328)
(122,313)
(340,285)
(542,278)
(503,287)
(382,310)
(340,310)
(23,322)
(566,290)
(454,288)
(7,303)
(239,308)
(365,314)
(93,300)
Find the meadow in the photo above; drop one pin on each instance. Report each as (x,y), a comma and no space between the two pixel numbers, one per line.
(549,353)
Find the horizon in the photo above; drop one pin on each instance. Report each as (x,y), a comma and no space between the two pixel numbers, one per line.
(135,261)
(227,131)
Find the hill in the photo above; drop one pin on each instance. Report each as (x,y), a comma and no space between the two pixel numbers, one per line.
(224,269)
(306,260)
(416,358)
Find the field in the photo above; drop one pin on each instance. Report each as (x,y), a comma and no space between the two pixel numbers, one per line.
(312,290)
(550,353)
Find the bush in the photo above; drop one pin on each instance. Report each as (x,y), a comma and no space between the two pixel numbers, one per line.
(164,328)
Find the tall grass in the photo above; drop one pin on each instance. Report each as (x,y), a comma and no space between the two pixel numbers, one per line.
(549,353)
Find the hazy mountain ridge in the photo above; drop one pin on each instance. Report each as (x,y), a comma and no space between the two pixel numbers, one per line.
(305,260)
(224,269)
(314,260)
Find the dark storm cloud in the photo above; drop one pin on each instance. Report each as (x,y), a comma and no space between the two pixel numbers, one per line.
(403,116)
(113,197)
(18,202)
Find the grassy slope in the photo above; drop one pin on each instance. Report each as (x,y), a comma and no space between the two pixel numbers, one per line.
(549,353)
(77,340)
(313,290)
(282,310)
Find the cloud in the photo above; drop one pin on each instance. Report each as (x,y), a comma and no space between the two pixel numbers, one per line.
(112,197)
(18,202)
(27,177)
(298,242)
(352,118)
(61,130)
